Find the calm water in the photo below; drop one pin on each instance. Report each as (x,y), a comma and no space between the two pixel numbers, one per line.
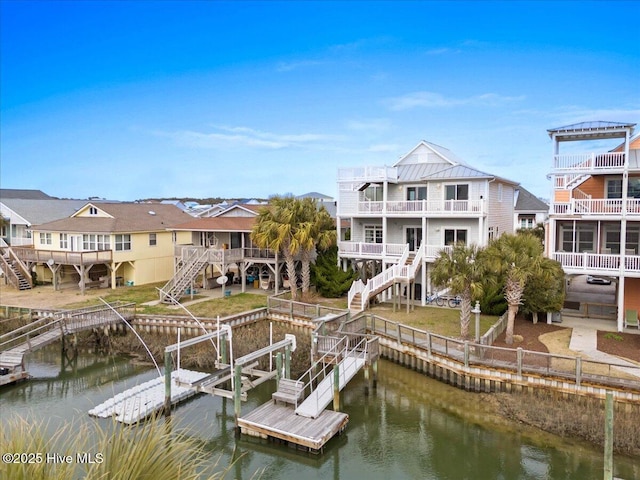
(410,427)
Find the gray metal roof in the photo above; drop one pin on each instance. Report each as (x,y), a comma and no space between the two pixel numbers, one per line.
(415,172)
(598,125)
(528,202)
(6,193)
(37,212)
(315,195)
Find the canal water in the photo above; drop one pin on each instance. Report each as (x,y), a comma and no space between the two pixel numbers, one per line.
(410,427)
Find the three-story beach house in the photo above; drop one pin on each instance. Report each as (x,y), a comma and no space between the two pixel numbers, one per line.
(395,220)
(594,222)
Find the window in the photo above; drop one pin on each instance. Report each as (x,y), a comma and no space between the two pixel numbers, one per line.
(123,242)
(614,188)
(236,240)
(64,240)
(491,234)
(96,242)
(45,238)
(416,193)
(93,211)
(452,236)
(152,240)
(527,221)
(457,192)
(373,234)
(582,240)
(373,193)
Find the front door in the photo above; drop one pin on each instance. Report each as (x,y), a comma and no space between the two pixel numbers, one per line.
(413,238)
(75,243)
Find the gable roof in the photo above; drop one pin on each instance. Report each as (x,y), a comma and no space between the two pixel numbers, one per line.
(6,193)
(315,195)
(37,212)
(125,218)
(252,209)
(528,202)
(427,152)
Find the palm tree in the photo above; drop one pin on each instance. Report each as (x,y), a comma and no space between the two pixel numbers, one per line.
(462,272)
(515,259)
(316,231)
(277,228)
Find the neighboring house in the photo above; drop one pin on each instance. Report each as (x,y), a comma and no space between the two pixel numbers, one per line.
(23,214)
(106,244)
(25,194)
(428,198)
(594,222)
(221,245)
(329,203)
(529,210)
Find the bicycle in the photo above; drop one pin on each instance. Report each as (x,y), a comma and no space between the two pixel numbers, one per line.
(454,301)
(439,301)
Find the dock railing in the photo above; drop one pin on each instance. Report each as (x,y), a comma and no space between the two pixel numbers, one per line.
(518,361)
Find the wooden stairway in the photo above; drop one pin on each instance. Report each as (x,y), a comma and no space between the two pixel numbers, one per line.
(13,272)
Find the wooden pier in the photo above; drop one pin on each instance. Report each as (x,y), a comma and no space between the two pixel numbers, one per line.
(277,421)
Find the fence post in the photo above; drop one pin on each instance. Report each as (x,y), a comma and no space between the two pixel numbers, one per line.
(608,437)
(466,353)
(519,357)
(578,370)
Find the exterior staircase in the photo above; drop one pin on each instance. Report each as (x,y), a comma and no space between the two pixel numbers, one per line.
(175,288)
(405,270)
(351,359)
(13,269)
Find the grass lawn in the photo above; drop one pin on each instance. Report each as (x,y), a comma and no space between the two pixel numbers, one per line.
(441,320)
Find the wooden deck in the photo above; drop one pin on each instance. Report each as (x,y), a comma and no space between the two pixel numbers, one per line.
(277,421)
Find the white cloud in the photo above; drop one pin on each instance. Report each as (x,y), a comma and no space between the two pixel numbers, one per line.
(384,148)
(369,125)
(240,136)
(437,100)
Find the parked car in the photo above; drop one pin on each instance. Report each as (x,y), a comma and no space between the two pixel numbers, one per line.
(598,280)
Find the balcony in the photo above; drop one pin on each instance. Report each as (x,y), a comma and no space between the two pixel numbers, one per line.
(603,263)
(589,162)
(31,255)
(598,206)
(384,251)
(368,174)
(413,208)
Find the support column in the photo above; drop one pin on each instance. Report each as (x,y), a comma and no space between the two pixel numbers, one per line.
(167,384)
(237,395)
(336,388)
(278,367)
(287,361)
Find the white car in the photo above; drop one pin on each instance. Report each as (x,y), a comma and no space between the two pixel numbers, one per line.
(598,280)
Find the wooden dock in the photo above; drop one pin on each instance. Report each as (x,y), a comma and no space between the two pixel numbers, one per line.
(277,421)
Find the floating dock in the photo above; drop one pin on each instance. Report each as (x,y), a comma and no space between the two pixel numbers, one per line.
(277,421)
(139,402)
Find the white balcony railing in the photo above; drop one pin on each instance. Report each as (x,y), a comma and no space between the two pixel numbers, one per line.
(598,206)
(368,174)
(422,207)
(21,241)
(589,161)
(589,262)
(385,250)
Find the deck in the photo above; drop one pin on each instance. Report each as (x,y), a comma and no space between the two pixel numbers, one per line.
(277,421)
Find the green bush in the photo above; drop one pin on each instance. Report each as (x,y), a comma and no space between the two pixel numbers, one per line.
(493,302)
(330,280)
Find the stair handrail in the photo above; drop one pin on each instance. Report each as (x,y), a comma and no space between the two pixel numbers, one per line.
(9,274)
(356,287)
(24,270)
(359,350)
(194,258)
(28,331)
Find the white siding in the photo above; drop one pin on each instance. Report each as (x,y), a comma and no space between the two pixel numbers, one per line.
(500,213)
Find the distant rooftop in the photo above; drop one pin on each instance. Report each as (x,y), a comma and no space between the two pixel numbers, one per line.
(23,194)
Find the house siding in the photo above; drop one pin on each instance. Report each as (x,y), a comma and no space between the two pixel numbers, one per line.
(500,211)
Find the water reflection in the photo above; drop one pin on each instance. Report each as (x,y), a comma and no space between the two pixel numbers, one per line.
(409,427)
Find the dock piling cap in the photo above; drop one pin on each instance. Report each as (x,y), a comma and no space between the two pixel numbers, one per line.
(291,337)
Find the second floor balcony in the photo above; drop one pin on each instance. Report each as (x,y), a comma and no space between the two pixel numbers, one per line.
(599,263)
(368,174)
(589,162)
(443,208)
(31,255)
(598,206)
(384,251)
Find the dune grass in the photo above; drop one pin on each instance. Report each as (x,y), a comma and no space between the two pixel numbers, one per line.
(148,451)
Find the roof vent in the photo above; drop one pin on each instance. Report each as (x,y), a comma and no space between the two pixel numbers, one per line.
(151,212)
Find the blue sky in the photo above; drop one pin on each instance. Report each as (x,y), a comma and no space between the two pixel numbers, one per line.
(130,100)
